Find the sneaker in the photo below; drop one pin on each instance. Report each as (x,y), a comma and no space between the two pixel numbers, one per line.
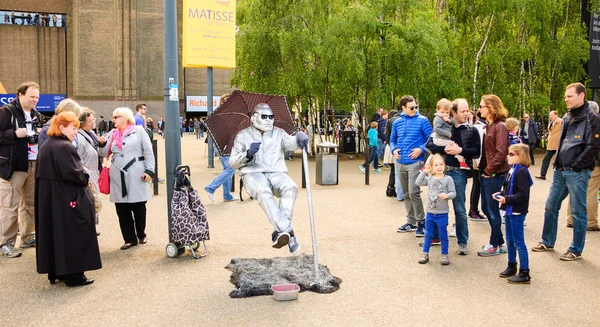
(463,165)
(424,258)
(570,256)
(376,171)
(420,230)
(503,248)
(231,200)
(362,169)
(453,231)
(211,196)
(161,180)
(280,239)
(8,250)
(28,244)
(475,216)
(294,246)
(462,249)
(445,260)
(434,241)
(489,250)
(406,228)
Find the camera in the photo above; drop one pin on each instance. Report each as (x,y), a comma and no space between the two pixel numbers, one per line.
(33,139)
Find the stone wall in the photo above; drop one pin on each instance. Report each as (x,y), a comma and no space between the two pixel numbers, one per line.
(113,53)
(33,54)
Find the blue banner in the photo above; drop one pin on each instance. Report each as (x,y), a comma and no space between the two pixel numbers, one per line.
(47,102)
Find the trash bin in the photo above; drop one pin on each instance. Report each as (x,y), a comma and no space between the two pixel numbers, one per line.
(347,142)
(327,164)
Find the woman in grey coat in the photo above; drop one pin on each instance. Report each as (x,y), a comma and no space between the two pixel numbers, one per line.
(86,143)
(131,171)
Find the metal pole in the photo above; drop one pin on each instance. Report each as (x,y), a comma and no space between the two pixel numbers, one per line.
(367,157)
(312,217)
(155,179)
(209,108)
(171,79)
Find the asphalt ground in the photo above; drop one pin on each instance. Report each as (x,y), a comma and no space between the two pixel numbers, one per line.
(383,285)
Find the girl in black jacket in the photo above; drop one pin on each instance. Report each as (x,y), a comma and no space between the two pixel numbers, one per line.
(514,199)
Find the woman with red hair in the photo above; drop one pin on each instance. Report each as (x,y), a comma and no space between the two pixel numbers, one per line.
(64,208)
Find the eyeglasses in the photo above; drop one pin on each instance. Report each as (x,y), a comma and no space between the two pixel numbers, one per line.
(511,154)
(413,108)
(267,117)
(483,107)
(116,117)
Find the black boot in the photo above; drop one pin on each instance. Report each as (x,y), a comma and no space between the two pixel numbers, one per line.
(511,270)
(390,192)
(521,278)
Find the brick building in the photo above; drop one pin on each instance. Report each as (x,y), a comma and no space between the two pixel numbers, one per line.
(109,54)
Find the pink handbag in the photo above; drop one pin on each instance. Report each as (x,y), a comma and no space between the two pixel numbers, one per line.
(104,180)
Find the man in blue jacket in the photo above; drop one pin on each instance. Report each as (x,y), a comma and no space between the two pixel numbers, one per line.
(407,142)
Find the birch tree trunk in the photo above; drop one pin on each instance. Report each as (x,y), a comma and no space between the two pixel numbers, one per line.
(478,56)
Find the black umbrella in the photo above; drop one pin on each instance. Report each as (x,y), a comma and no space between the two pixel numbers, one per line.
(233,115)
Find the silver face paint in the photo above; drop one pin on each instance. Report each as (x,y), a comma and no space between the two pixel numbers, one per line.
(258,122)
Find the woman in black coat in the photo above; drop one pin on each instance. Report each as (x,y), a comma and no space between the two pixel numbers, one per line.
(67,245)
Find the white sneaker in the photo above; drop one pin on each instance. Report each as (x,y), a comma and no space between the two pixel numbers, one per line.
(453,231)
(211,196)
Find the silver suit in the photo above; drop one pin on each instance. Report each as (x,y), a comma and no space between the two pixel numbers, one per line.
(265,174)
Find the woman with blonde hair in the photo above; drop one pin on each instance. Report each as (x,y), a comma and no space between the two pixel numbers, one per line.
(66,105)
(64,208)
(493,167)
(131,172)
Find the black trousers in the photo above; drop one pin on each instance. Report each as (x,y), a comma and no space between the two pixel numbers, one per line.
(132,220)
(531,150)
(475,191)
(392,178)
(546,162)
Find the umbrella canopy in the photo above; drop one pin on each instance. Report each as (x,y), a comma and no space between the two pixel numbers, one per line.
(233,115)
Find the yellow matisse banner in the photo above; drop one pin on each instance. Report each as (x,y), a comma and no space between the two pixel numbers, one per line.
(209,33)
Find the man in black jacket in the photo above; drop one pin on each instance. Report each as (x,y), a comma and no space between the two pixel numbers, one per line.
(20,124)
(577,150)
(529,134)
(467,143)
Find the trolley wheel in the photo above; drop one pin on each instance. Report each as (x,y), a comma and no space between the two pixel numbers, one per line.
(172,250)
(196,245)
(181,250)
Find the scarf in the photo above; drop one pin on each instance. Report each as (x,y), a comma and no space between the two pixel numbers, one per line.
(117,137)
(509,207)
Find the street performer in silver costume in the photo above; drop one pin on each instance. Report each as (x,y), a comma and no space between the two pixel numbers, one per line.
(258,152)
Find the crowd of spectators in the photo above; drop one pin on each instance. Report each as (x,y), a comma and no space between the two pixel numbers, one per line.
(33,19)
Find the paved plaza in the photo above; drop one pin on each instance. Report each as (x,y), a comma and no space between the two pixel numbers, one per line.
(383,285)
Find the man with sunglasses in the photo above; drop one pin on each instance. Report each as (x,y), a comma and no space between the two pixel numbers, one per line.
(258,151)
(407,143)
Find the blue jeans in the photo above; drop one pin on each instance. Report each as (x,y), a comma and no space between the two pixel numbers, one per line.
(380,149)
(201,133)
(515,240)
(372,158)
(224,178)
(459,204)
(433,222)
(563,183)
(490,206)
(399,194)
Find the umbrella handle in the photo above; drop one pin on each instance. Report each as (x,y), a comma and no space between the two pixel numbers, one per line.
(312,218)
